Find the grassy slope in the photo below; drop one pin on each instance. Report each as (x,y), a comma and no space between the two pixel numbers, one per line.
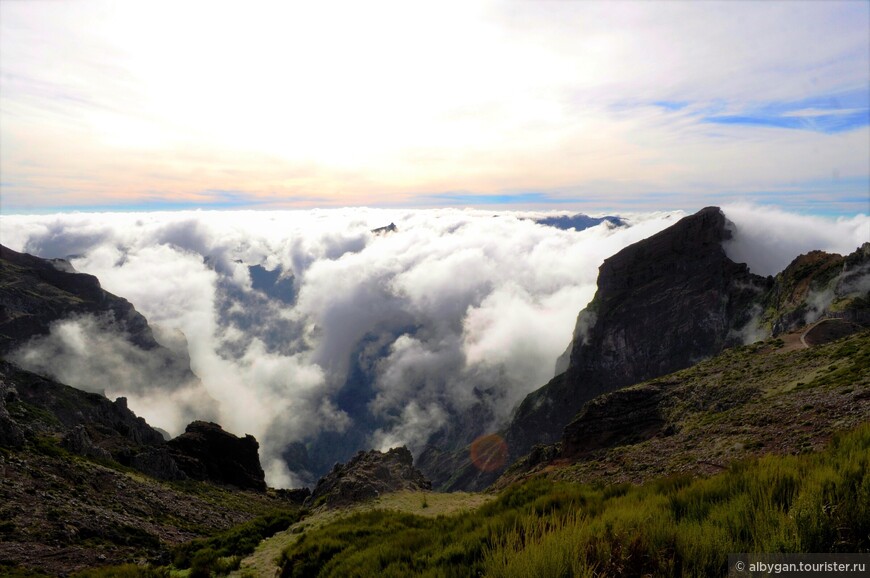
(750,401)
(677,525)
(264,561)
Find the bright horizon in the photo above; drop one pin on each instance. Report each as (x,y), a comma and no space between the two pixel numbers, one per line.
(580,106)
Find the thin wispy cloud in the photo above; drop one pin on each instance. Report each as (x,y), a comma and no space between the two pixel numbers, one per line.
(830,115)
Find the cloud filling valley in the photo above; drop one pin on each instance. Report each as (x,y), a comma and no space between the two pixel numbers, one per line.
(303,323)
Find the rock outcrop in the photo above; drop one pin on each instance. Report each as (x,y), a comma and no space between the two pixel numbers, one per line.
(78,441)
(625,416)
(206,452)
(386,229)
(817,285)
(367,476)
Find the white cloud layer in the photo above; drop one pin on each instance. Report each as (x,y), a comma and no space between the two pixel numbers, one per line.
(455,306)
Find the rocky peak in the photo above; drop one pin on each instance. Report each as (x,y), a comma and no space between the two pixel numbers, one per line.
(206,452)
(662,304)
(368,475)
(386,229)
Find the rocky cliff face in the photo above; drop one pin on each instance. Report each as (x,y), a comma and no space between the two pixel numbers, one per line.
(62,324)
(206,452)
(662,304)
(827,296)
(36,292)
(368,475)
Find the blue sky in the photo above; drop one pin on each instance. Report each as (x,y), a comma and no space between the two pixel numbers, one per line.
(577,105)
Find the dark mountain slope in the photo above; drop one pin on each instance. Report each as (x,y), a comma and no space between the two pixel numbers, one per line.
(39,410)
(750,400)
(36,292)
(72,493)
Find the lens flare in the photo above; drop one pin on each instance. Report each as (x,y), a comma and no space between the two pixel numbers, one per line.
(489,452)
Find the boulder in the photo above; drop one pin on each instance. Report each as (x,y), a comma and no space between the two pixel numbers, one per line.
(206,452)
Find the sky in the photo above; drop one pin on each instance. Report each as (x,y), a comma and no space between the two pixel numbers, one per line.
(133,106)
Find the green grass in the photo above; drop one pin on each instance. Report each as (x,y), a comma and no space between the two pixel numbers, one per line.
(855,356)
(674,526)
(124,571)
(15,571)
(223,553)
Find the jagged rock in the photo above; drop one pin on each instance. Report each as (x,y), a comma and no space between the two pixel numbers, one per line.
(368,475)
(391,228)
(206,452)
(116,425)
(158,463)
(79,442)
(817,285)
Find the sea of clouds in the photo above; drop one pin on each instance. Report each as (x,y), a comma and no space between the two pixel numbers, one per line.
(454,307)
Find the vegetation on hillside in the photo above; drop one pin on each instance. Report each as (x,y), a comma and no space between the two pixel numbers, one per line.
(669,526)
(223,553)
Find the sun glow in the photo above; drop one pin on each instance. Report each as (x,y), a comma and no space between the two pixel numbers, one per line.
(359,103)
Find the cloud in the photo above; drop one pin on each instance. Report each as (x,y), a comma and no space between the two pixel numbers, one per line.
(531,97)
(87,353)
(386,337)
(768,239)
(828,114)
